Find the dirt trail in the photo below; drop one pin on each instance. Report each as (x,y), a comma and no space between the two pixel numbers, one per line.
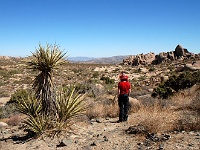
(101,134)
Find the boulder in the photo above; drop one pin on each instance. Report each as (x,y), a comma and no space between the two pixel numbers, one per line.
(160,58)
(179,51)
(170,55)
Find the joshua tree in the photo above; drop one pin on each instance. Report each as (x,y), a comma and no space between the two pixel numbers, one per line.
(45,60)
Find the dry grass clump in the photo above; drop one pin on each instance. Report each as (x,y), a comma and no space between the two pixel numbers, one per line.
(99,110)
(188,105)
(182,99)
(156,118)
(188,121)
(181,113)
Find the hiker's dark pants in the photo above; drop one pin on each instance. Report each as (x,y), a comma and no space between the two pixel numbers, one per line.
(123,102)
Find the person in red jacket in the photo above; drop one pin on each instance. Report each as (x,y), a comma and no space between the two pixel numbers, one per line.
(124,89)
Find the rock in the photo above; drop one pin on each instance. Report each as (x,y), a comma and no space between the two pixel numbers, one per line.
(160,58)
(179,51)
(95,143)
(170,55)
(62,144)
(138,129)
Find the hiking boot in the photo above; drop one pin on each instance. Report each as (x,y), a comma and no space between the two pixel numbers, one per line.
(120,120)
(125,118)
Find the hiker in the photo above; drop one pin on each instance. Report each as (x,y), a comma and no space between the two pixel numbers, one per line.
(124,89)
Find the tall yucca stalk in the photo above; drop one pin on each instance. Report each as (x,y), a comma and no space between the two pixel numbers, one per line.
(45,60)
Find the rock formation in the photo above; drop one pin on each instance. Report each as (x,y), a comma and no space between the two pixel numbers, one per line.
(140,59)
(151,58)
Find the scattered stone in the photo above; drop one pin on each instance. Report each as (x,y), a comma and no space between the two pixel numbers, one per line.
(105,138)
(94,144)
(62,144)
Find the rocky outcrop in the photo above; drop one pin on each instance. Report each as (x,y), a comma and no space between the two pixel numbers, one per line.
(150,58)
(189,67)
(5,57)
(140,59)
(178,53)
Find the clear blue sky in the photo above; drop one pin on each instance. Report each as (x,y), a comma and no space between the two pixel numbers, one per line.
(99,28)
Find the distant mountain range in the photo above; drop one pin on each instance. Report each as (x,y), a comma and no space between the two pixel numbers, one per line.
(79,58)
(102,60)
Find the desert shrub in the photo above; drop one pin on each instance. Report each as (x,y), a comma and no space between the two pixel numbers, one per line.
(162,91)
(116,70)
(152,68)
(95,74)
(7,111)
(107,80)
(137,70)
(18,95)
(81,87)
(8,73)
(2,83)
(176,83)
(141,78)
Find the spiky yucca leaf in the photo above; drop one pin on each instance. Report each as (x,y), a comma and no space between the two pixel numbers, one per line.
(70,104)
(38,124)
(30,106)
(47,58)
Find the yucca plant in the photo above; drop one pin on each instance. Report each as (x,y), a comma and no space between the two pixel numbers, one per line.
(69,104)
(45,60)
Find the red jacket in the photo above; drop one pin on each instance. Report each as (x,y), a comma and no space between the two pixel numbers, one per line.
(124,87)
